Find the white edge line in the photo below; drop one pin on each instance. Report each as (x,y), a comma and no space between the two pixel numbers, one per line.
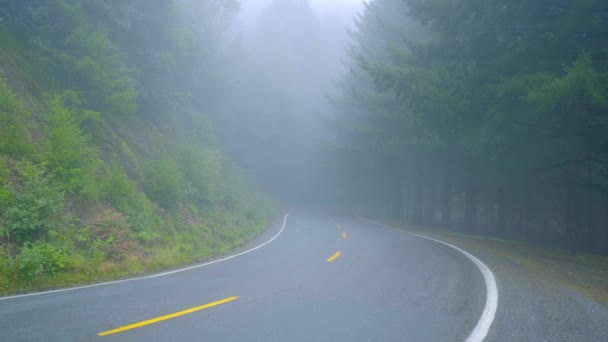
(480,331)
(158,274)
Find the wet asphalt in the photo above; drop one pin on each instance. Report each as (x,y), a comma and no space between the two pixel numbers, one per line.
(384,286)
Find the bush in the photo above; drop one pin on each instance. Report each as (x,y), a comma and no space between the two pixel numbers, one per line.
(5,191)
(144,220)
(201,170)
(117,189)
(37,260)
(112,237)
(14,135)
(38,206)
(130,161)
(4,269)
(69,153)
(162,182)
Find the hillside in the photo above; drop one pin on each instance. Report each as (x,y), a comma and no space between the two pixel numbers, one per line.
(107,168)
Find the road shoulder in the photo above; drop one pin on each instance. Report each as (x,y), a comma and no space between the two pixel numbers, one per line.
(545,295)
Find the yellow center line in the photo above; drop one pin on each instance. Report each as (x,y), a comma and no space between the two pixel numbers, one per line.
(166,317)
(333,257)
(344,235)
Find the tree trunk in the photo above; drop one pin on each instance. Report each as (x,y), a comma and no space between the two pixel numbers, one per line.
(408,204)
(418,203)
(501,217)
(432,203)
(446,200)
(472,194)
(589,241)
(471,209)
(569,219)
(525,217)
(405,200)
(397,200)
(603,232)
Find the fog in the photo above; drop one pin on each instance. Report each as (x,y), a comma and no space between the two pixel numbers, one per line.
(140,135)
(285,59)
(414,111)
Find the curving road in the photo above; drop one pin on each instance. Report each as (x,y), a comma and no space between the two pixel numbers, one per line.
(323,278)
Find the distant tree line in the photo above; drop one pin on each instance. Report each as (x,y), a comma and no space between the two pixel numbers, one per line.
(486,116)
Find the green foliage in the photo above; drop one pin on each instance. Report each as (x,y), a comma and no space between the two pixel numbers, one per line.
(69,153)
(38,206)
(101,61)
(14,134)
(63,46)
(5,261)
(5,190)
(201,173)
(99,68)
(113,237)
(38,259)
(580,82)
(144,220)
(472,98)
(131,162)
(163,182)
(117,189)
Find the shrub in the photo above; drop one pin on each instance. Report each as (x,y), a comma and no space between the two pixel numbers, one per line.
(117,189)
(14,135)
(162,182)
(69,153)
(131,162)
(37,260)
(5,191)
(112,236)
(144,220)
(38,206)
(4,269)
(201,170)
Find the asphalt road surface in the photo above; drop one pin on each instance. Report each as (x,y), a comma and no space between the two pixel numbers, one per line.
(322,278)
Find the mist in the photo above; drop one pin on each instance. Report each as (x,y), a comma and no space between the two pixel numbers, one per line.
(286,58)
(314,170)
(388,108)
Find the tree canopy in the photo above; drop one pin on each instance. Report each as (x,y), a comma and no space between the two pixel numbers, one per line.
(480,115)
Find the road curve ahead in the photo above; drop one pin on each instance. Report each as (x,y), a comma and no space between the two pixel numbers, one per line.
(323,278)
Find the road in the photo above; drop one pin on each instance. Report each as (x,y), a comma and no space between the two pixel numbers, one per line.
(323,278)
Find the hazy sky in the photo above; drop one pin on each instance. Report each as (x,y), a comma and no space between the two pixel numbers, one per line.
(325,2)
(250,9)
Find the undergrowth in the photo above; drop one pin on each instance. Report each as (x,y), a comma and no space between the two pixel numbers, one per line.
(78,208)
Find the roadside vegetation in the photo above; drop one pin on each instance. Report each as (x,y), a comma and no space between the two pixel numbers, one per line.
(108,168)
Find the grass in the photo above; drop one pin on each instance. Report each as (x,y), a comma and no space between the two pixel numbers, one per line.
(83,271)
(481,237)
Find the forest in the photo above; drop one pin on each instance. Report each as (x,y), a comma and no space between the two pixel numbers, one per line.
(139,135)
(484,117)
